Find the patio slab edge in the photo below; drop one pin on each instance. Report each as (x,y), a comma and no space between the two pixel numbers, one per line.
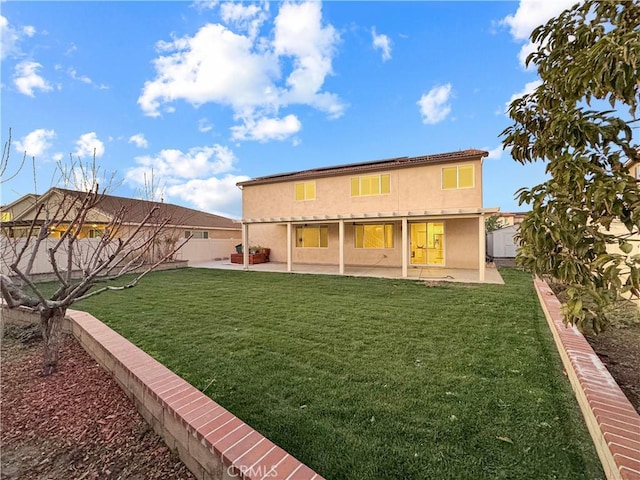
(612,421)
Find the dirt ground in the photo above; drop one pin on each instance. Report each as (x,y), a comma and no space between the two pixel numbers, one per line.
(75,424)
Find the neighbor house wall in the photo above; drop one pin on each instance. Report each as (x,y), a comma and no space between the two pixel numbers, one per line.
(617,228)
(10,212)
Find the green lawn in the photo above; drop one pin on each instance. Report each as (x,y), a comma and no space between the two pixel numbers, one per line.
(364,378)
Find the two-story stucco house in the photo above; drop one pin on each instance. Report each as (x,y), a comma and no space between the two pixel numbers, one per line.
(403,212)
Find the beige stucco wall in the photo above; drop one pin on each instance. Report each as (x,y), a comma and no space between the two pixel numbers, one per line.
(461,245)
(413,189)
(417,188)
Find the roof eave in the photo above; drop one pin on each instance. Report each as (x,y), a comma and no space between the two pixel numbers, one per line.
(396,163)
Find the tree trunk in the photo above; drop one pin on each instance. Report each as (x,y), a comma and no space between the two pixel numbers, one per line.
(51,327)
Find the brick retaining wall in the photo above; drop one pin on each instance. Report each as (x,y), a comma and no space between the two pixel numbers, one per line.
(613,423)
(213,443)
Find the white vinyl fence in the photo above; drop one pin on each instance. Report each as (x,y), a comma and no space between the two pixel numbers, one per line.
(501,244)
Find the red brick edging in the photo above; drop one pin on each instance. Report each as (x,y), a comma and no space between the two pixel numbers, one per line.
(212,442)
(613,423)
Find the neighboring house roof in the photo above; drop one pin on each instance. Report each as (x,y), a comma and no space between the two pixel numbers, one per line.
(32,196)
(136,210)
(399,162)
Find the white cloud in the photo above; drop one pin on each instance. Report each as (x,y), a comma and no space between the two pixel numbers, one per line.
(201,5)
(265,129)
(81,78)
(299,34)
(383,43)
(139,140)
(204,125)
(531,14)
(87,144)
(73,48)
(215,65)
(36,143)
(496,153)
(29,31)
(528,88)
(216,195)
(247,18)
(247,73)
(172,164)
(26,78)
(434,105)
(200,176)
(8,39)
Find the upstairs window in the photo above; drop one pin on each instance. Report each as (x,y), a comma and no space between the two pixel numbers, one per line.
(312,237)
(197,234)
(305,191)
(6,216)
(370,185)
(460,176)
(374,236)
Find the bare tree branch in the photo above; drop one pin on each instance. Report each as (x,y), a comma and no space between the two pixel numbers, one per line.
(84,264)
(135,281)
(4,163)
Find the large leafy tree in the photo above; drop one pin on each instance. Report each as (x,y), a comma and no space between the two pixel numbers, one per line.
(581,121)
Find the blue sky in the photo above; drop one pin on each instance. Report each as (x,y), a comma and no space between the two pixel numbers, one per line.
(209,93)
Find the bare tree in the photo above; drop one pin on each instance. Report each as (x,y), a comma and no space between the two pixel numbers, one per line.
(57,227)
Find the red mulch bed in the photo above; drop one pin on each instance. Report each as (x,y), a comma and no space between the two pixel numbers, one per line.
(75,424)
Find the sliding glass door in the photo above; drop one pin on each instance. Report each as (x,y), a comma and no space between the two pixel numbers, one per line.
(427,243)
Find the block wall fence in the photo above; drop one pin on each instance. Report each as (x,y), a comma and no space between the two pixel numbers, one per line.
(214,444)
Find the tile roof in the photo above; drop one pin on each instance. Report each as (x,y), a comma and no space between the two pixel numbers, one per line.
(398,162)
(138,209)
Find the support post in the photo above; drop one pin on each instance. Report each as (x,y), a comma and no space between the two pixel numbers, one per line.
(341,246)
(482,247)
(289,247)
(405,248)
(245,245)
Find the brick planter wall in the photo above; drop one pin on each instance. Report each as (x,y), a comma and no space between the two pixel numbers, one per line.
(213,443)
(613,423)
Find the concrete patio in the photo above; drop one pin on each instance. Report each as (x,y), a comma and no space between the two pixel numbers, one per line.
(414,273)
